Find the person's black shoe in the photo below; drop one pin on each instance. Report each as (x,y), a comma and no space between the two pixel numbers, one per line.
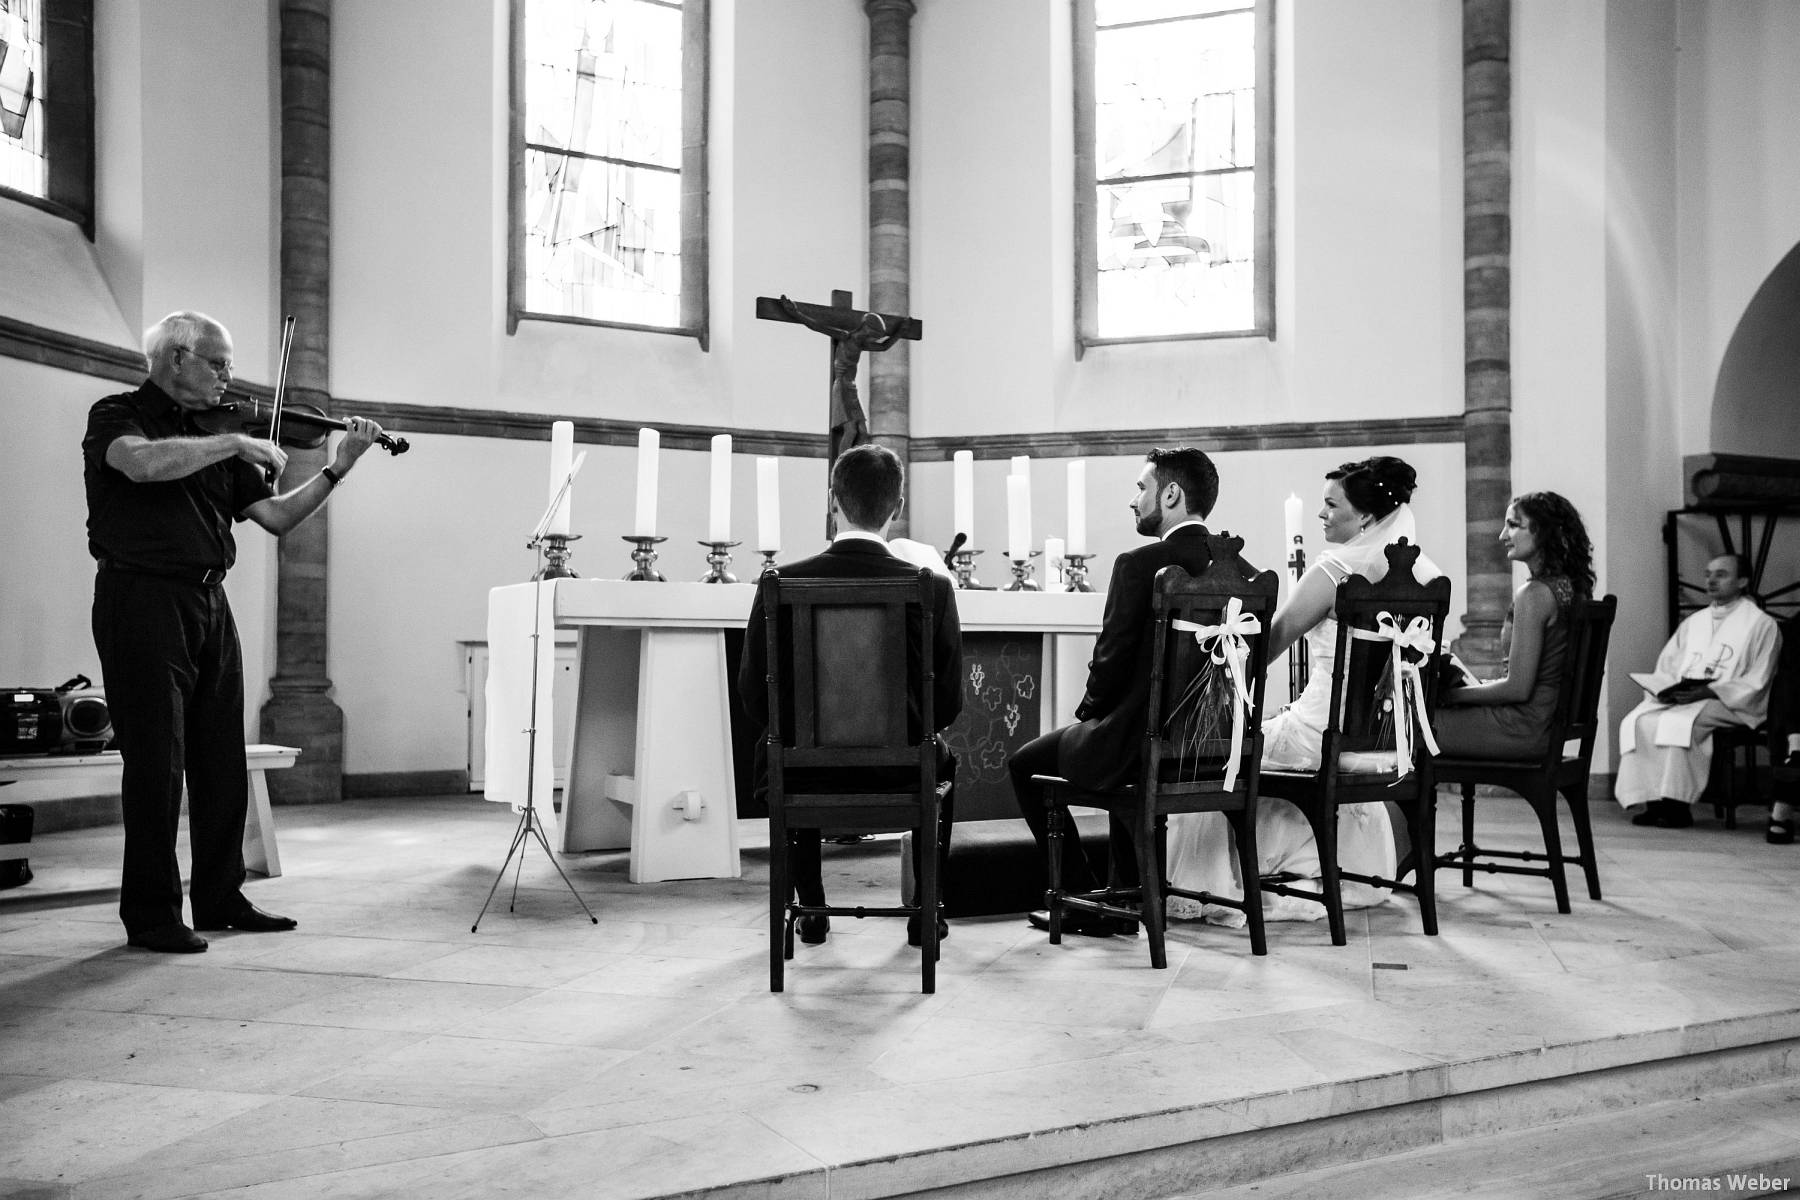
(913,930)
(1781,833)
(168,939)
(1086,924)
(1665,814)
(814,929)
(247,918)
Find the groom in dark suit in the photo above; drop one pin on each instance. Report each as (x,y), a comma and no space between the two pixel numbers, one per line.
(867,490)
(1175,491)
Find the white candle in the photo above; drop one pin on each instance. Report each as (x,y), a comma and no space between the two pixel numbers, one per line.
(962,477)
(718,527)
(1053,564)
(768,506)
(1291,516)
(1021,466)
(1018,516)
(562,452)
(648,441)
(1078,506)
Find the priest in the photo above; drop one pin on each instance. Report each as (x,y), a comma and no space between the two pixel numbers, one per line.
(1716,671)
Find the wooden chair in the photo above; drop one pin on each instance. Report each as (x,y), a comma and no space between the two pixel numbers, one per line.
(1187,749)
(849,737)
(1576,719)
(1359,751)
(1728,744)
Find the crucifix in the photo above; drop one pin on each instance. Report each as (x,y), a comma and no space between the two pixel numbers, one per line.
(851,331)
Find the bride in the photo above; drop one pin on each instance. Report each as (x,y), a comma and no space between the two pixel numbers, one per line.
(1365,510)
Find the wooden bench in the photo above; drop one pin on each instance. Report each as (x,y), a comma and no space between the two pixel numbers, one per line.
(260,852)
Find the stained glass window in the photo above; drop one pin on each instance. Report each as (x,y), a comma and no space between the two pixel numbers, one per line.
(604,153)
(23,165)
(1178,226)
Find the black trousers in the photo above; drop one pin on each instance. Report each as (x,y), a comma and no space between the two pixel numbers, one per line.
(806,861)
(1040,756)
(174,678)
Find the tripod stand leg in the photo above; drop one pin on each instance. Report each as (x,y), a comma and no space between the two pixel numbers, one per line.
(518,840)
(538,830)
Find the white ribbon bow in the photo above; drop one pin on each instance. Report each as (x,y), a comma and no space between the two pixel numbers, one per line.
(1225,643)
(1409,688)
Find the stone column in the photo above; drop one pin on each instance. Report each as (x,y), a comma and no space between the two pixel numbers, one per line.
(890,220)
(301,711)
(1487,322)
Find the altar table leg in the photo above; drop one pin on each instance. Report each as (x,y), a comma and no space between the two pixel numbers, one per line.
(684,756)
(606,714)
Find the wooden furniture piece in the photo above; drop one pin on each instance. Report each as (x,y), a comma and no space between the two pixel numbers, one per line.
(849,739)
(1721,785)
(260,851)
(1359,753)
(652,766)
(1210,654)
(1576,719)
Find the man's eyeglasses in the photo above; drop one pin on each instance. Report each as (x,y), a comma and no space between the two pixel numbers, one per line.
(220,366)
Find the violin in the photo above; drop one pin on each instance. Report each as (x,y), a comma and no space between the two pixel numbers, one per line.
(310,425)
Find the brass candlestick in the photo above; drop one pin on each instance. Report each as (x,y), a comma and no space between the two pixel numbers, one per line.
(1022,580)
(768,562)
(962,563)
(1075,573)
(556,556)
(718,558)
(644,555)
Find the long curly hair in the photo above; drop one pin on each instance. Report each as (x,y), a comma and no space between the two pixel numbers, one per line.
(1562,540)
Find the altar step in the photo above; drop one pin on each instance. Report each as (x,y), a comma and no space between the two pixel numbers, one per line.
(1729,1117)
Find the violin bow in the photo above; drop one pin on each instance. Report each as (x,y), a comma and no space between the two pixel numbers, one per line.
(287,345)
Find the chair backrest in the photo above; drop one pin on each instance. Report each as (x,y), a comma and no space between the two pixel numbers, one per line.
(1577,714)
(1362,692)
(853,657)
(1188,735)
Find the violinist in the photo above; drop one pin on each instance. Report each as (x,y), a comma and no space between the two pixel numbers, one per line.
(162,498)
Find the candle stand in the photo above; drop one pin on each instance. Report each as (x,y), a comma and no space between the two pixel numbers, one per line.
(1075,573)
(556,557)
(768,562)
(1298,665)
(644,555)
(962,564)
(718,560)
(1022,580)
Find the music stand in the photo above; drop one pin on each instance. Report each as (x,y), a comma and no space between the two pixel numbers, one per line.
(528,823)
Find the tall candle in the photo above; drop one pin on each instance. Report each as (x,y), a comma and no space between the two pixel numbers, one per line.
(648,441)
(562,452)
(1053,564)
(1018,516)
(768,505)
(962,478)
(1021,466)
(718,526)
(1078,506)
(1290,512)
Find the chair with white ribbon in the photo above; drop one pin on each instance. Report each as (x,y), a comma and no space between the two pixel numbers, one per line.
(1383,691)
(1202,746)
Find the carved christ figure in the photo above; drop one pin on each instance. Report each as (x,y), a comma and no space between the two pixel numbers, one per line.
(849,423)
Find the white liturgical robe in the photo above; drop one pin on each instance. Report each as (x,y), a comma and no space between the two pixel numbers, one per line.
(1666,749)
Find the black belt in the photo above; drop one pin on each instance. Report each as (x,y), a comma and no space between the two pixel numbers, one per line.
(211,578)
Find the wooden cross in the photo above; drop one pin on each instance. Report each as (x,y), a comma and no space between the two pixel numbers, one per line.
(852,331)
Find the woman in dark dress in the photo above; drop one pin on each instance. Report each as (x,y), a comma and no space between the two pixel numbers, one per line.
(1509,717)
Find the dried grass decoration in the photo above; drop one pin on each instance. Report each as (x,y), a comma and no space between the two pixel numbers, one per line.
(1219,691)
(1410,644)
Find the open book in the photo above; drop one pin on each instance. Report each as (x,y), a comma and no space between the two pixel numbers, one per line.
(1653,681)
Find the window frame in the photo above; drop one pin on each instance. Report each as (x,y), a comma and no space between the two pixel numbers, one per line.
(69,119)
(1087,250)
(695,80)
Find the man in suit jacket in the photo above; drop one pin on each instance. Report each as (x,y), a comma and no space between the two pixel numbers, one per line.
(1175,491)
(867,491)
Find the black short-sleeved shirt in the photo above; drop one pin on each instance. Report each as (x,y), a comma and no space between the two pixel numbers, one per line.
(182,524)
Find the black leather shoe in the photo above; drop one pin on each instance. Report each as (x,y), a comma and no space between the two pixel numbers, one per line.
(1666,814)
(249,919)
(168,939)
(1781,833)
(1084,924)
(913,930)
(813,930)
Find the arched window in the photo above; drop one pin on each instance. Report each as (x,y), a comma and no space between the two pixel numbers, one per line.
(47,106)
(1174,122)
(609,163)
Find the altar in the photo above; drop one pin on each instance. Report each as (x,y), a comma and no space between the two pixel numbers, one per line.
(651,768)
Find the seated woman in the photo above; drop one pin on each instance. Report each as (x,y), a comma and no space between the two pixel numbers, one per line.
(1509,717)
(1364,511)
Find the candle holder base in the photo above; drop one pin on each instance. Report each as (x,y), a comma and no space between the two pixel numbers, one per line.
(962,565)
(1022,580)
(1075,573)
(768,562)
(556,556)
(718,559)
(644,555)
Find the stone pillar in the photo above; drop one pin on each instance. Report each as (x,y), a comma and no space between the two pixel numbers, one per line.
(1487,322)
(890,220)
(301,711)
